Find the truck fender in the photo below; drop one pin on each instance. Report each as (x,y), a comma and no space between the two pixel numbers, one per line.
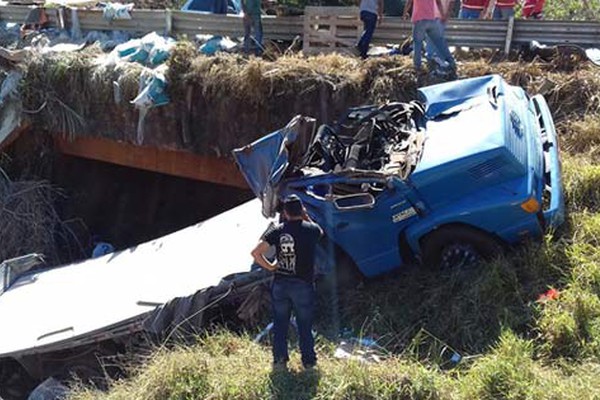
(414,234)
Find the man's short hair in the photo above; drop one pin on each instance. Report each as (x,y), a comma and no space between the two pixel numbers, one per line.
(292,205)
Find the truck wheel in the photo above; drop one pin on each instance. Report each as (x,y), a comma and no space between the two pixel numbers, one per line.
(458,247)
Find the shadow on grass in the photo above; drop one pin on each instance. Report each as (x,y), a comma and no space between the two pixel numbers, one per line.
(295,385)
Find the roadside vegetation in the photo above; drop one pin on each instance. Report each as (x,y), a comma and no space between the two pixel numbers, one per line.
(526,325)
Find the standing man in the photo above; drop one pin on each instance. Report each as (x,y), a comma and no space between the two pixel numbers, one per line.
(252,21)
(472,9)
(426,25)
(295,242)
(371,12)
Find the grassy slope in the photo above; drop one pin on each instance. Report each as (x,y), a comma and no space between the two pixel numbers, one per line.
(516,346)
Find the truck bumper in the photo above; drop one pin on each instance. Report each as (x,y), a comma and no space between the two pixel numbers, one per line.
(554,213)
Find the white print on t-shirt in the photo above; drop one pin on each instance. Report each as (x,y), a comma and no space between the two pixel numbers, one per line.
(287,253)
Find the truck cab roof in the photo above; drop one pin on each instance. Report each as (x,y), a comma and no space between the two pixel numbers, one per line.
(474,142)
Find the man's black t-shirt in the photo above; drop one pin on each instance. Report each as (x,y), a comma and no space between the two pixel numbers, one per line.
(295,243)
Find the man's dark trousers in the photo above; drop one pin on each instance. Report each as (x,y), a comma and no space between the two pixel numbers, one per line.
(293,293)
(369,20)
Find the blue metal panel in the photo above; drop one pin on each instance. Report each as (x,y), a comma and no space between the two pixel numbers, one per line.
(446,97)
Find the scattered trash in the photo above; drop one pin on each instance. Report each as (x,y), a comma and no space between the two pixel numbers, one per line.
(50,389)
(152,93)
(593,55)
(378,51)
(152,89)
(269,327)
(263,333)
(360,349)
(215,44)
(550,294)
(151,50)
(102,249)
(114,11)
(63,47)
(107,40)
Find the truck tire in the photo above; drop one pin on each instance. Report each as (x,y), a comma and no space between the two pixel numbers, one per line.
(458,246)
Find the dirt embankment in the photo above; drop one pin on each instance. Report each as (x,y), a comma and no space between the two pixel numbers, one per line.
(219,103)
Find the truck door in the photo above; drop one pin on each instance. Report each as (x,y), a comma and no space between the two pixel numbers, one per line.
(365,219)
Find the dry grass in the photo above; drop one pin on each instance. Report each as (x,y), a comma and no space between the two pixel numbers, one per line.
(29,222)
(220,103)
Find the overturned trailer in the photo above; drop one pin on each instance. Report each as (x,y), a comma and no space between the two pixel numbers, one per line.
(60,322)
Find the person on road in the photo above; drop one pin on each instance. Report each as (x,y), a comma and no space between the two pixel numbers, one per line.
(295,242)
(252,22)
(472,9)
(371,13)
(426,25)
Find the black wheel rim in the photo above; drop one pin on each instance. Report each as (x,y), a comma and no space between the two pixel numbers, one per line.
(459,255)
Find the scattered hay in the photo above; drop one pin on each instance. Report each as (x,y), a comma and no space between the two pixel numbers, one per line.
(223,102)
(70,94)
(581,136)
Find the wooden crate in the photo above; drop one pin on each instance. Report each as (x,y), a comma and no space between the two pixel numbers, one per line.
(331,29)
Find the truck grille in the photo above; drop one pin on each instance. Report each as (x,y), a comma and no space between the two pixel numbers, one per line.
(488,168)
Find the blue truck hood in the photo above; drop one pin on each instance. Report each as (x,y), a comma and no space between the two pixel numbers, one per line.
(451,97)
(265,161)
(475,138)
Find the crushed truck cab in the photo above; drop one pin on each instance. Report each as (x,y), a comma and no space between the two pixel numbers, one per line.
(445,180)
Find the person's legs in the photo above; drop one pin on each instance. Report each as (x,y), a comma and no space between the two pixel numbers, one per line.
(282,308)
(303,300)
(507,12)
(369,22)
(503,13)
(430,49)
(466,13)
(434,30)
(258,34)
(418,37)
(247,29)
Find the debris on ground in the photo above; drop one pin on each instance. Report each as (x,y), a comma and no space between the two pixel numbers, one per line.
(114,11)
(363,349)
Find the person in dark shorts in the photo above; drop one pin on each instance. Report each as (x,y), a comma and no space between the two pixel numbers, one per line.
(295,241)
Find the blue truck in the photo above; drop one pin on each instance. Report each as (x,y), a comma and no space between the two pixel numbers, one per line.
(469,167)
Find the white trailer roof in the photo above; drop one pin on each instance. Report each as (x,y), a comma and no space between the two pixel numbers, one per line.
(70,301)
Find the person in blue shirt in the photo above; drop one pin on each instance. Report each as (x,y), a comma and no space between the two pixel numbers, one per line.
(295,242)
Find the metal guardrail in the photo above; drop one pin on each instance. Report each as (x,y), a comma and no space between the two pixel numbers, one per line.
(471,33)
